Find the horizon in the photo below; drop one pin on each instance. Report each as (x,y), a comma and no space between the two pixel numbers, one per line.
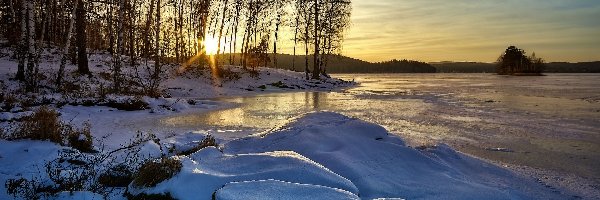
(429,62)
(558,31)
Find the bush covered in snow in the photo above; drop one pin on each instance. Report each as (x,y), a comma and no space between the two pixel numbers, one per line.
(81,139)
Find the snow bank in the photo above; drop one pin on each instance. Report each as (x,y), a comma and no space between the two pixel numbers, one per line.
(208,170)
(24,159)
(274,189)
(264,80)
(381,166)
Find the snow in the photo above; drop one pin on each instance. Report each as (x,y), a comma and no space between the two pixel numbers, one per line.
(78,195)
(274,189)
(381,166)
(208,170)
(325,154)
(183,86)
(25,159)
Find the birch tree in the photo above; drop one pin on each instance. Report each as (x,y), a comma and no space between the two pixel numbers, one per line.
(65,53)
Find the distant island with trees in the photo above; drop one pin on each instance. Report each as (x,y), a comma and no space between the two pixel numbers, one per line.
(514,61)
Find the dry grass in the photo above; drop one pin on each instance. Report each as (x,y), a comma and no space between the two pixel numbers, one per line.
(81,139)
(208,141)
(44,124)
(153,172)
(117,176)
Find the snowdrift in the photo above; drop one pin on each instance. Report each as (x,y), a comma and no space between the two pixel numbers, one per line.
(331,156)
(208,170)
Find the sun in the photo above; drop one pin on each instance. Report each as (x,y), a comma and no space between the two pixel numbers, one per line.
(211,45)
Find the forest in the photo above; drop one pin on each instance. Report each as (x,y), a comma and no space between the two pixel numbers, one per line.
(149,34)
(343,64)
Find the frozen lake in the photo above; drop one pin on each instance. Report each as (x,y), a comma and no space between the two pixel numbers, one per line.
(547,122)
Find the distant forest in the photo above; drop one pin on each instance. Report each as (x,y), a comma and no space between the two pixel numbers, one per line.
(343,64)
(553,67)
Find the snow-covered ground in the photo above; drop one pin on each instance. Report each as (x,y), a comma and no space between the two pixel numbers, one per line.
(320,155)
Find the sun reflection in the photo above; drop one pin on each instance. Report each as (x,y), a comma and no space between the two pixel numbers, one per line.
(211,44)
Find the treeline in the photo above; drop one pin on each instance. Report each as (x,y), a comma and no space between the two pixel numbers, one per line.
(553,67)
(344,64)
(171,31)
(580,67)
(464,67)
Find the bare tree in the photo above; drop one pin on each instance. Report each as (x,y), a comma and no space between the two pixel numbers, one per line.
(81,38)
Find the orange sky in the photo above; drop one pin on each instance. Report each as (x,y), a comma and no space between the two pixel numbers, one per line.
(473,30)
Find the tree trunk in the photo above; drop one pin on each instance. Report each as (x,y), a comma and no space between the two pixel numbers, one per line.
(30,76)
(111,38)
(295,42)
(81,40)
(22,51)
(65,56)
(132,40)
(221,29)
(118,62)
(146,52)
(306,30)
(316,70)
(157,70)
(277,23)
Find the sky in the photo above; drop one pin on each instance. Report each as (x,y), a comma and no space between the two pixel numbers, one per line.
(473,30)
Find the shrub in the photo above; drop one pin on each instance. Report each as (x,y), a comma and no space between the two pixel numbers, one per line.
(142,196)
(70,171)
(10,101)
(81,139)
(129,105)
(155,171)
(280,84)
(44,124)
(3,135)
(208,141)
(22,188)
(117,176)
